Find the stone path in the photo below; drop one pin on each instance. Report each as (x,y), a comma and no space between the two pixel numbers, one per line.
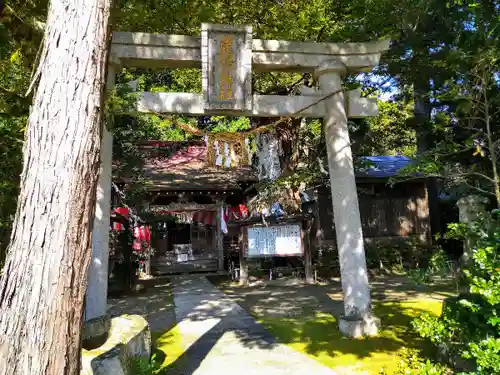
(220,337)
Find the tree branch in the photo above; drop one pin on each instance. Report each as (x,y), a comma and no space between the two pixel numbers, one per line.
(478,189)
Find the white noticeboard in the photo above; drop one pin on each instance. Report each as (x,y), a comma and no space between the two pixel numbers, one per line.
(280,240)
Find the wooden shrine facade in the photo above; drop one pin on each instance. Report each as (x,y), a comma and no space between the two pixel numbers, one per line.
(185,196)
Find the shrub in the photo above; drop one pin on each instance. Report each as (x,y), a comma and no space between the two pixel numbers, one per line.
(410,363)
(398,254)
(438,266)
(467,334)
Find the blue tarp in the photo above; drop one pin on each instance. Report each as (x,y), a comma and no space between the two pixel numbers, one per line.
(383,166)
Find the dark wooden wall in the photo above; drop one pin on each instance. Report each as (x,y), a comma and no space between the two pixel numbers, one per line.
(398,211)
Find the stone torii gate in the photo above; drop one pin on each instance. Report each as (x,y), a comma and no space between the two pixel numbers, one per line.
(227,56)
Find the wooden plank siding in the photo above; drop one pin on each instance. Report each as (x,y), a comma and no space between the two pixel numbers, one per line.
(399,211)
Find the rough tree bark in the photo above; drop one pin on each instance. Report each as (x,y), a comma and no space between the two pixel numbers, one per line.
(425,142)
(43,285)
(423,111)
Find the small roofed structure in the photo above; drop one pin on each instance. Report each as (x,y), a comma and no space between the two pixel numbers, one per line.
(390,213)
(185,195)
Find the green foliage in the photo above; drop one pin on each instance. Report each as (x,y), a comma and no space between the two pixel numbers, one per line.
(390,133)
(140,366)
(419,276)
(230,124)
(11,134)
(465,133)
(486,354)
(399,255)
(270,19)
(438,263)
(467,334)
(437,266)
(484,272)
(411,363)
(21,30)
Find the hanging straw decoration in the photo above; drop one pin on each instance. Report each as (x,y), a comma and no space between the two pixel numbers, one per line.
(211,157)
(229,136)
(244,151)
(242,137)
(232,155)
(225,136)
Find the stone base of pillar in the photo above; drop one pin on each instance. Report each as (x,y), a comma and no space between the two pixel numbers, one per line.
(310,280)
(359,327)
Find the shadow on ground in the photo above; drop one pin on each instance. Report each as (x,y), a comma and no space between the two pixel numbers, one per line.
(305,318)
(155,303)
(301,316)
(187,362)
(219,334)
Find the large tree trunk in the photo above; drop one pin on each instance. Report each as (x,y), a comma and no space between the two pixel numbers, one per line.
(425,142)
(43,285)
(423,111)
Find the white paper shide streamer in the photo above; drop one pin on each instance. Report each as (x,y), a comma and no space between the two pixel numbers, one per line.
(268,156)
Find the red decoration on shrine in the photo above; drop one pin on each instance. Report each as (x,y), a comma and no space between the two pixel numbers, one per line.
(122,211)
(142,237)
(205,217)
(238,212)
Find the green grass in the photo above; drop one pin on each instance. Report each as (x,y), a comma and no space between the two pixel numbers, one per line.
(317,335)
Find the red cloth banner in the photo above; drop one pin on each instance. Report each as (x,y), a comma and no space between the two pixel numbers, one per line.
(142,237)
(123,211)
(205,217)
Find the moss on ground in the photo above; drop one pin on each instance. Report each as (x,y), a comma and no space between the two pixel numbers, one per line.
(168,354)
(317,335)
(312,332)
(168,351)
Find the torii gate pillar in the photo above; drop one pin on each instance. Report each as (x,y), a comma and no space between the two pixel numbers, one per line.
(96,301)
(358,320)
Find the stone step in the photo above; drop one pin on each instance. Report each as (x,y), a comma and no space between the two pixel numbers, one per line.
(206,265)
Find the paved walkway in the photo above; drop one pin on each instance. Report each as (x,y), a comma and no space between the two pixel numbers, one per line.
(220,337)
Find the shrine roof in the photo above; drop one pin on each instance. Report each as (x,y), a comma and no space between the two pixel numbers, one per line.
(172,165)
(383,166)
(182,166)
